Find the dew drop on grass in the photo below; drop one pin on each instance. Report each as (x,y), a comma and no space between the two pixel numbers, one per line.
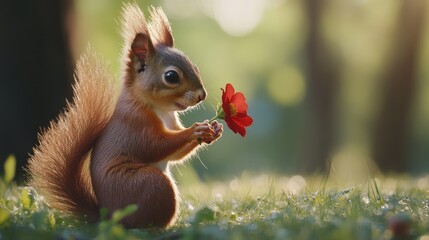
(385,206)
(365,199)
(190,207)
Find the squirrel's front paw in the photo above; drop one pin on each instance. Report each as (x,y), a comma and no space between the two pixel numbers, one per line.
(207,132)
(202,131)
(218,129)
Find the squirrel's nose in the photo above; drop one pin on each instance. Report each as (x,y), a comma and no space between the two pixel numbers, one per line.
(201,95)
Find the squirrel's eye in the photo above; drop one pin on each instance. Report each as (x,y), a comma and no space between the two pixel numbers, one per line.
(171,77)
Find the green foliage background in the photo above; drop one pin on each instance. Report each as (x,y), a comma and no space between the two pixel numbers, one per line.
(266,63)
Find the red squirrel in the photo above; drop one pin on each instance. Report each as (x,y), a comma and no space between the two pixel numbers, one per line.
(108,153)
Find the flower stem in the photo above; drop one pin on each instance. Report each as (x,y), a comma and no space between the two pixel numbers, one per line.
(214,118)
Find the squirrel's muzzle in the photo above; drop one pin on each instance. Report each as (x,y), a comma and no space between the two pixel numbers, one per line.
(201,94)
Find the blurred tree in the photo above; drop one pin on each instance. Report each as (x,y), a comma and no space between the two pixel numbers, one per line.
(392,129)
(35,71)
(322,82)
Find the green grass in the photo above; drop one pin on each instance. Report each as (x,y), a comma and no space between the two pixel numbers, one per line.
(249,207)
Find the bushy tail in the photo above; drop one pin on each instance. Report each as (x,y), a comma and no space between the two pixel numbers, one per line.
(59,168)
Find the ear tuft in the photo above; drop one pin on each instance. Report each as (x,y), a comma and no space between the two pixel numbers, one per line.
(132,22)
(159,28)
(136,34)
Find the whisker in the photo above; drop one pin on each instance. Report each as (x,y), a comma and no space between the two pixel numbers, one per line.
(201,161)
(178,170)
(214,107)
(197,106)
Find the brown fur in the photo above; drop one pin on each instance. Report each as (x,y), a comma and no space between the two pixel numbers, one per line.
(57,164)
(130,148)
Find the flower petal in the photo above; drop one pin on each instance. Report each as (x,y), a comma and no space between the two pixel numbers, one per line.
(227,93)
(226,109)
(232,125)
(244,120)
(238,127)
(240,101)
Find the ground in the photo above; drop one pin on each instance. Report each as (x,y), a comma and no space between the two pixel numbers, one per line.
(248,207)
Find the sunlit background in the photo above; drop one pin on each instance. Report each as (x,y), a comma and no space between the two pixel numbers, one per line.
(335,81)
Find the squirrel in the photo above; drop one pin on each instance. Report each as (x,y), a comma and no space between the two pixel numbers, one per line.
(108,151)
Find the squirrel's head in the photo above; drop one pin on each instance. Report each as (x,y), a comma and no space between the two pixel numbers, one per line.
(155,71)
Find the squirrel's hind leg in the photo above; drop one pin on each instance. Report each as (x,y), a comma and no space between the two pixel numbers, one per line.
(144,185)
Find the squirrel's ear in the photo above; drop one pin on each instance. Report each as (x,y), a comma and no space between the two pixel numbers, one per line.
(142,47)
(159,28)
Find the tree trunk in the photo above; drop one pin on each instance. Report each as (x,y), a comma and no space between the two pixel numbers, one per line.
(322,80)
(392,128)
(35,71)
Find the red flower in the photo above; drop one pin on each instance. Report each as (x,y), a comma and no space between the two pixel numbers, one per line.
(235,108)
